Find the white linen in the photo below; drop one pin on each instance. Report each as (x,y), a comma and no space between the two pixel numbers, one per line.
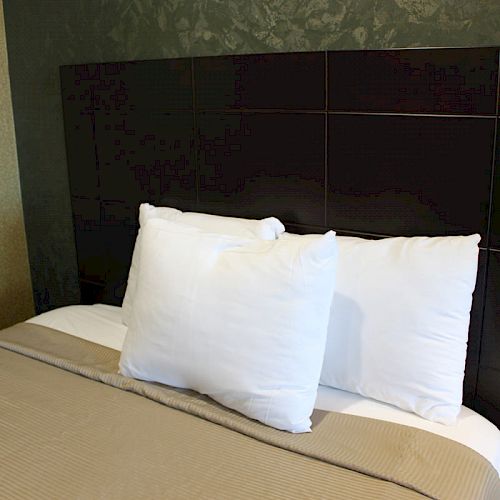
(241,320)
(471,429)
(102,324)
(400,319)
(265,229)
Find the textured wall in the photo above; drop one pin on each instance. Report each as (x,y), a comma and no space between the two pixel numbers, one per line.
(16,301)
(47,33)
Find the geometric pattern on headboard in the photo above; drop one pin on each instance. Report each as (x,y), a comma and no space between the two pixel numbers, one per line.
(369,143)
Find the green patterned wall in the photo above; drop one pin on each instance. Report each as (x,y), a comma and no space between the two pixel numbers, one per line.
(173,28)
(16,301)
(44,34)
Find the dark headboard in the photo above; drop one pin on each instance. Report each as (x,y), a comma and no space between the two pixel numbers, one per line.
(369,143)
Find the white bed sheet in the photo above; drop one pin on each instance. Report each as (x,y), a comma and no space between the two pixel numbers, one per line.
(102,324)
(99,323)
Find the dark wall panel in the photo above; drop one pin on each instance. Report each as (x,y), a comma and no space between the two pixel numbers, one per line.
(462,81)
(141,156)
(487,400)
(258,165)
(253,138)
(276,81)
(105,233)
(89,240)
(495,207)
(81,153)
(119,229)
(490,352)
(130,138)
(488,387)
(402,175)
(121,86)
(476,324)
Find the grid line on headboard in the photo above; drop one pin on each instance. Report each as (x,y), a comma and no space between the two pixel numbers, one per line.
(196,140)
(495,158)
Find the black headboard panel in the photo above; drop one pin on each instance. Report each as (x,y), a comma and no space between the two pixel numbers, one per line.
(369,143)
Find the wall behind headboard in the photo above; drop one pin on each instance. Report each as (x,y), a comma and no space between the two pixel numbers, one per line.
(41,36)
(16,301)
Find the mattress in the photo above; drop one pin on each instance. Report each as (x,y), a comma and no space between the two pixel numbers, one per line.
(102,325)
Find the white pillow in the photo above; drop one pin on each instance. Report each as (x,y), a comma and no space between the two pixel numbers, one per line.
(265,229)
(243,321)
(399,321)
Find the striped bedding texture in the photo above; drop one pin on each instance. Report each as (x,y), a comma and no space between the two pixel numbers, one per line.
(72,427)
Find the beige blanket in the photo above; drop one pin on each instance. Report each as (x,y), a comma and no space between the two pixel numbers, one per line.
(64,435)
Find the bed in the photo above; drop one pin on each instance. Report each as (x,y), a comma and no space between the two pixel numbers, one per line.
(365,143)
(102,324)
(118,439)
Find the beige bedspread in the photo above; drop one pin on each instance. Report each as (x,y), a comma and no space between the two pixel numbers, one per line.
(64,435)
